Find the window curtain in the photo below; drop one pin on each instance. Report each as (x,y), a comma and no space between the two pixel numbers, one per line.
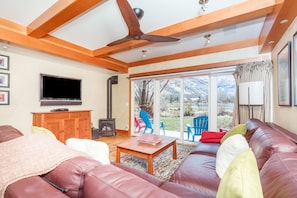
(249,72)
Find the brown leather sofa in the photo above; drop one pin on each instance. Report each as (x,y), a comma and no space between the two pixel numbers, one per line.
(88,178)
(276,154)
(274,147)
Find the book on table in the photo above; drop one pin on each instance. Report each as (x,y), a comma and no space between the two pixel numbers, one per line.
(150,139)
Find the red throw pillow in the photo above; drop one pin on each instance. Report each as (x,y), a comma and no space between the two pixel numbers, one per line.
(210,136)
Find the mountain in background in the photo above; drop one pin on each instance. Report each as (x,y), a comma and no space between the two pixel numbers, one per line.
(196,88)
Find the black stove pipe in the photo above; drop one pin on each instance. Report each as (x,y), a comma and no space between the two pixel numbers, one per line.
(110,81)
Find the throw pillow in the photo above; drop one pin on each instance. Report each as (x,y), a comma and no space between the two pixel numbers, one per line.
(213,137)
(95,149)
(42,130)
(230,149)
(238,129)
(241,178)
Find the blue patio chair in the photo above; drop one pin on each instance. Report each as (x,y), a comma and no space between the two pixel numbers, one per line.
(200,124)
(162,125)
(146,119)
(149,122)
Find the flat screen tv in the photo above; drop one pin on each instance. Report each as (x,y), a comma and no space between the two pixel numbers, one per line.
(57,90)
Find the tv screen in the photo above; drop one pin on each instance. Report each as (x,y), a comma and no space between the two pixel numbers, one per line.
(55,90)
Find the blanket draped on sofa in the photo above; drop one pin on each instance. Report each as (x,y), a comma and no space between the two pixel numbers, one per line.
(30,155)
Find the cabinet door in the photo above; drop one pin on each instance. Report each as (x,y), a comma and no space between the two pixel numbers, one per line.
(55,126)
(84,124)
(70,126)
(54,123)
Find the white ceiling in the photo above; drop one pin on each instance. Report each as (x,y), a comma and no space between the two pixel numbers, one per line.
(103,23)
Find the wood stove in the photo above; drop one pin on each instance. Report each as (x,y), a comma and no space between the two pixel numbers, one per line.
(107,126)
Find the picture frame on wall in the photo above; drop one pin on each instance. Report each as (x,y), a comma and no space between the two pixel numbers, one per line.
(4,62)
(4,97)
(284,75)
(4,80)
(295,67)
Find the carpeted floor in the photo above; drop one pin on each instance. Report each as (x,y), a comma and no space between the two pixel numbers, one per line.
(164,165)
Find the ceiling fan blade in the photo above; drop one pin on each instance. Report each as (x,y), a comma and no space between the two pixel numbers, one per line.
(156,38)
(120,41)
(133,25)
(130,18)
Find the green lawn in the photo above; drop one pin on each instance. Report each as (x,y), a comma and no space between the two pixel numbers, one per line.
(172,123)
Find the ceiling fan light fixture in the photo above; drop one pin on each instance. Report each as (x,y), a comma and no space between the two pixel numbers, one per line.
(138,12)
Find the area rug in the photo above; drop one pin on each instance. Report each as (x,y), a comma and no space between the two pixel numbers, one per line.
(164,165)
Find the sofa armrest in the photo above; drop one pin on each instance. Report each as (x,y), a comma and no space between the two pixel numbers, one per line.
(70,174)
(32,187)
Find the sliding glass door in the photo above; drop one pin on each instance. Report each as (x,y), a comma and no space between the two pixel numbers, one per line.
(172,103)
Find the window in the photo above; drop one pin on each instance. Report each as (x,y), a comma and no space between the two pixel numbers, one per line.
(176,100)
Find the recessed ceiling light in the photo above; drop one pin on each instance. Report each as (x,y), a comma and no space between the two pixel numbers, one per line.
(143,53)
(283,21)
(270,42)
(5,47)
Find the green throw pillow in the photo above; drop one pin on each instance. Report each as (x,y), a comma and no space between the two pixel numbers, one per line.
(239,129)
(42,130)
(241,178)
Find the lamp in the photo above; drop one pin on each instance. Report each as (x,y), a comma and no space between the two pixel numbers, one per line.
(251,94)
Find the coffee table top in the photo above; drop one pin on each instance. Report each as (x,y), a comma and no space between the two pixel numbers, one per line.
(134,145)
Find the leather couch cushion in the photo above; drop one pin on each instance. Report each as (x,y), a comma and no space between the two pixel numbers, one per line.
(279,176)
(241,178)
(266,141)
(8,132)
(183,191)
(206,148)
(148,177)
(111,181)
(198,172)
(252,125)
(70,174)
(32,187)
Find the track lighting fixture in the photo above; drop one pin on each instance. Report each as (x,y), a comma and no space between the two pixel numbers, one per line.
(207,39)
(143,53)
(203,4)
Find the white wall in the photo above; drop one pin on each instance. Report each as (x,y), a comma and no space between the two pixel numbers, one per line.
(284,116)
(25,68)
(243,53)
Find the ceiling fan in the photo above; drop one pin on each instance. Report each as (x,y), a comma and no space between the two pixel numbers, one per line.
(135,32)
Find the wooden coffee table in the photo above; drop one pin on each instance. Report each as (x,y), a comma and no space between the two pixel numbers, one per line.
(146,151)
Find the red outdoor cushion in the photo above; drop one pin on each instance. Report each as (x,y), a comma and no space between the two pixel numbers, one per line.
(211,136)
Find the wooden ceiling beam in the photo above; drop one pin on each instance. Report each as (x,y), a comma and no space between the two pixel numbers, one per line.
(231,15)
(59,14)
(273,29)
(46,45)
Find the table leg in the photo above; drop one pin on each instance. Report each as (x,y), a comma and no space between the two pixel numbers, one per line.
(150,165)
(118,156)
(174,155)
